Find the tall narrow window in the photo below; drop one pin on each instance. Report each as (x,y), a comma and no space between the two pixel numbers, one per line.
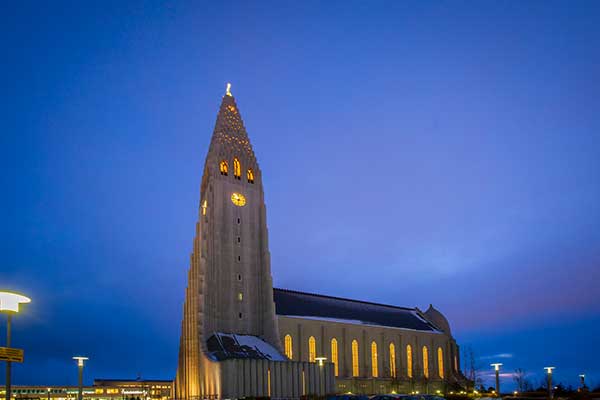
(289,352)
(425,362)
(334,355)
(269,382)
(237,168)
(392,360)
(250,175)
(223,167)
(312,349)
(441,362)
(355,358)
(455,363)
(409,361)
(204,206)
(374,369)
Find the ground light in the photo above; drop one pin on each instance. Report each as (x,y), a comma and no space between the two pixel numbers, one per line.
(9,305)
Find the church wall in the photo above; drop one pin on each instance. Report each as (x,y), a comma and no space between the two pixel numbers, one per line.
(301,329)
(275,379)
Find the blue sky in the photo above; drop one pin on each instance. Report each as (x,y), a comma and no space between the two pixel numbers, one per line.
(413,153)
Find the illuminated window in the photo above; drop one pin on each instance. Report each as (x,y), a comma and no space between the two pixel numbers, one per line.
(223,167)
(392,360)
(374,370)
(312,349)
(250,175)
(441,362)
(455,363)
(409,361)
(334,355)
(237,168)
(112,391)
(354,358)
(425,362)
(288,346)
(204,205)
(269,382)
(240,296)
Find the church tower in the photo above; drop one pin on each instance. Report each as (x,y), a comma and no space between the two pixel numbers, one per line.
(229,345)
(232,230)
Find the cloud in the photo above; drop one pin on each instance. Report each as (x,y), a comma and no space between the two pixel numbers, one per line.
(496,356)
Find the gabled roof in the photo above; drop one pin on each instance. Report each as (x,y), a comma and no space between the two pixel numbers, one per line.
(335,309)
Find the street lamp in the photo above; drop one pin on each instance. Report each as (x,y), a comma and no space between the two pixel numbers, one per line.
(582,379)
(80,360)
(320,360)
(549,372)
(9,304)
(497,369)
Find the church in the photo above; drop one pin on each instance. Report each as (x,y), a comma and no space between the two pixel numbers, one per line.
(240,337)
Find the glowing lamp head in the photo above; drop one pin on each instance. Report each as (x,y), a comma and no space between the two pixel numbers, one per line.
(496,366)
(228,91)
(320,360)
(9,301)
(80,360)
(549,369)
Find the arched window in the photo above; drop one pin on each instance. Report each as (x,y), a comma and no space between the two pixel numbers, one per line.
(392,360)
(441,362)
(237,168)
(223,167)
(334,355)
(374,370)
(425,362)
(355,358)
(312,349)
(409,361)
(289,352)
(250,175)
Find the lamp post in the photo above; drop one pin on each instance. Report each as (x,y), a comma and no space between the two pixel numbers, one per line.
(80,360)
(497,370)
(549,372)
(9,304)
(321,361)
(582,380)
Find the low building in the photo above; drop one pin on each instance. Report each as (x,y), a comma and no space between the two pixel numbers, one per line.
(103,389)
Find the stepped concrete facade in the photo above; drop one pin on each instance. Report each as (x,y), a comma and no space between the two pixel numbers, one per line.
(241,338)
(230,345)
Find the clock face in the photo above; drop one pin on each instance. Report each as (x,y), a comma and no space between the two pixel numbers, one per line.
(238,199)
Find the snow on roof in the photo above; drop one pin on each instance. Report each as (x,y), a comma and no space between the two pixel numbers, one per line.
(222,346)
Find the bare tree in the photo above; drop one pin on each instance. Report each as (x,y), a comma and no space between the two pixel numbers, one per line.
(472,368)
(523,384)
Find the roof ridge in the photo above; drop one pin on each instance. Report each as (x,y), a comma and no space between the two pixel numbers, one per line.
(346,299)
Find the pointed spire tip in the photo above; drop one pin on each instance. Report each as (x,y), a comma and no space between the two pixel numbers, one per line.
(228,90)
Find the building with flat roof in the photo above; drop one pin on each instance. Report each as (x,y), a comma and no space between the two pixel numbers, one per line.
(102,389)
